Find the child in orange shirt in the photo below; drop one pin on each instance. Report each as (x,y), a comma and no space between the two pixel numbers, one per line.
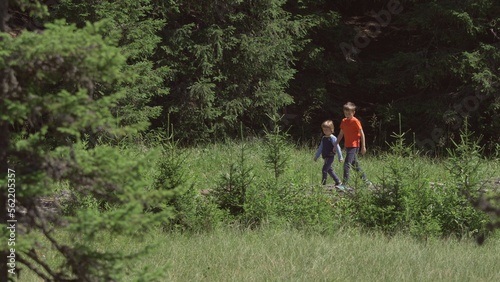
(354,141)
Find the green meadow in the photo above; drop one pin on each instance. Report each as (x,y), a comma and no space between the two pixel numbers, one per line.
(289,255)
(303,233)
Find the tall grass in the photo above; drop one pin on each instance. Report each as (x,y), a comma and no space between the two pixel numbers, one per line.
(206,163)
(330,247)
(287,255)
(272,255)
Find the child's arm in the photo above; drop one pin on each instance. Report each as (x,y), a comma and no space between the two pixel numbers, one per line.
(339,151)
(363,143)
(341,135)
(318,152)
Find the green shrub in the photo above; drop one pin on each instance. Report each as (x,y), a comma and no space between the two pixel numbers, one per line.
(406,201)
(230,192)
(197,213)
(276,148)
(467,167)
(309,209)
(391,207)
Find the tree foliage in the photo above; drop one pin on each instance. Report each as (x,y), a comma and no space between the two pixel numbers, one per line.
(210,65)
(50,103)
(437,60)
(134,25)
(231,63)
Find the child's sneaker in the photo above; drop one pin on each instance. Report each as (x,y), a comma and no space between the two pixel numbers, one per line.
(340,187)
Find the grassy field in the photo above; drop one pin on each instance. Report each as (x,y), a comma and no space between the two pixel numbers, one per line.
(273,253)
(347,256)
(278,255)
(205,165)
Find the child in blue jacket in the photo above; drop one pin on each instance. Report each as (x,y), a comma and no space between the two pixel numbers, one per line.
(327,149)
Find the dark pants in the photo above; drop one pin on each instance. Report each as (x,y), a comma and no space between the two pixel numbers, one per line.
(351,161)
(328,170)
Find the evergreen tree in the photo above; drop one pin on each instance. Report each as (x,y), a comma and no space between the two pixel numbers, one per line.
(231,62)
(135,26)
(321,70)
(51,99)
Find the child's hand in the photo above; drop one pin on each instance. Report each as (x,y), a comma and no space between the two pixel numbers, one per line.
(341,161)
(363,150)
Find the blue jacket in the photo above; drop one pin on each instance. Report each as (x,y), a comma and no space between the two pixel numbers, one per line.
(325,148)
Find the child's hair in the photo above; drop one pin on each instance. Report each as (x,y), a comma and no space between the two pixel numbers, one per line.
(327,124)
(350,106)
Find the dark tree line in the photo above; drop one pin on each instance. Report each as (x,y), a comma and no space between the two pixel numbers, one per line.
(207,66)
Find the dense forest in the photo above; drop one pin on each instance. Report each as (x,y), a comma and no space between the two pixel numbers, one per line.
(205,67)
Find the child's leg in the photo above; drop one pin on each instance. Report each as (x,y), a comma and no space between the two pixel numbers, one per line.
(357,167)
(331,172)
(350,156)
(327,165)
